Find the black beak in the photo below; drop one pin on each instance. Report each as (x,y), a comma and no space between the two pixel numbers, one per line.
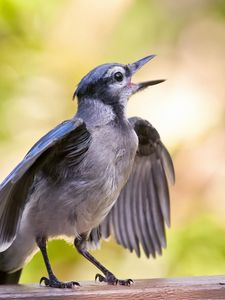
(134,67)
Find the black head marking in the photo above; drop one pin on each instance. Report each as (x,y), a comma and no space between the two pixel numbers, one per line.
(93,81)
(111,84)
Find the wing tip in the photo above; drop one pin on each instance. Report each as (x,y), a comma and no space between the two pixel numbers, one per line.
(5,245)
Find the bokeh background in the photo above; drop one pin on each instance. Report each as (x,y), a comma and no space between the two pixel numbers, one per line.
(45,49)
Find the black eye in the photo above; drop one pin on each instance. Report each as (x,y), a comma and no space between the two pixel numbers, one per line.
(118,76)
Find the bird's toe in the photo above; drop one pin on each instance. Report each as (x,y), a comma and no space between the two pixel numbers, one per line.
(55,283)
(112,280)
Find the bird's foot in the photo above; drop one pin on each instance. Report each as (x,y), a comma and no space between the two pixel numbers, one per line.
(55,283)
(111,279)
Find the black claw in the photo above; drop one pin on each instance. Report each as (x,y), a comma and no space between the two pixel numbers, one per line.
(58,284)
(100,278)
(75,283)
(46,281)
(126,282)
(111,279)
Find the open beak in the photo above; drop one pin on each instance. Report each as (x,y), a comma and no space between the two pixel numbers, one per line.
(134,67)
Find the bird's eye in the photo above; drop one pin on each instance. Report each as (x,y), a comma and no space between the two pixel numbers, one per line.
(118,76)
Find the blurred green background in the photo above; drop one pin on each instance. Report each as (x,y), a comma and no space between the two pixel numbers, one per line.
(45,49)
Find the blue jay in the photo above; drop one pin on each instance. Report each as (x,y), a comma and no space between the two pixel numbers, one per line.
(95,175)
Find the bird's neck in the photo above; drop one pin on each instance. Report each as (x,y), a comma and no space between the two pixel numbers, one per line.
(97,113)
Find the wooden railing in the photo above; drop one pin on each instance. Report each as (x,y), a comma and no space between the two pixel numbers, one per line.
(188,288)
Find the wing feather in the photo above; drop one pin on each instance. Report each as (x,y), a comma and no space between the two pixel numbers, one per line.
(143,207)
(14,189)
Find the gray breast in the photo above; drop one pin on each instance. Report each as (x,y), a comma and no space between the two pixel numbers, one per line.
(112,154)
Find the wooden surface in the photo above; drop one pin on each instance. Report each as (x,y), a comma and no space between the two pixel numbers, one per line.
(176,288)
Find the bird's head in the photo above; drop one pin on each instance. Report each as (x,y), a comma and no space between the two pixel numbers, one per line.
(111,83)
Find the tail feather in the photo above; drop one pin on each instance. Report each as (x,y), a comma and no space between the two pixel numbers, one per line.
(10,278)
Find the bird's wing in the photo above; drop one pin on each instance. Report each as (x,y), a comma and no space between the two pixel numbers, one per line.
(14,189)
(143,207)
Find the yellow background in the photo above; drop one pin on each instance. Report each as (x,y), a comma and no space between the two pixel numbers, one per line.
(45,49)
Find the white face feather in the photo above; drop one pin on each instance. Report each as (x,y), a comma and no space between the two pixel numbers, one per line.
(119,87)
(115,69)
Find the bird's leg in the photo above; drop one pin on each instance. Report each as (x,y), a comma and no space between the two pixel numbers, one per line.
(109,277)
(52,281)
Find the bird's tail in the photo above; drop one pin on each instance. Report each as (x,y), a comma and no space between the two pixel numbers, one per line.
(10,278)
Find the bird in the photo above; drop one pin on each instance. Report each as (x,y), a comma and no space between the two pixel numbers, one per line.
(96,175)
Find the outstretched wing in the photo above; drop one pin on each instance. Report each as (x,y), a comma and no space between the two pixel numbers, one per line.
(14,188)
(143,207)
